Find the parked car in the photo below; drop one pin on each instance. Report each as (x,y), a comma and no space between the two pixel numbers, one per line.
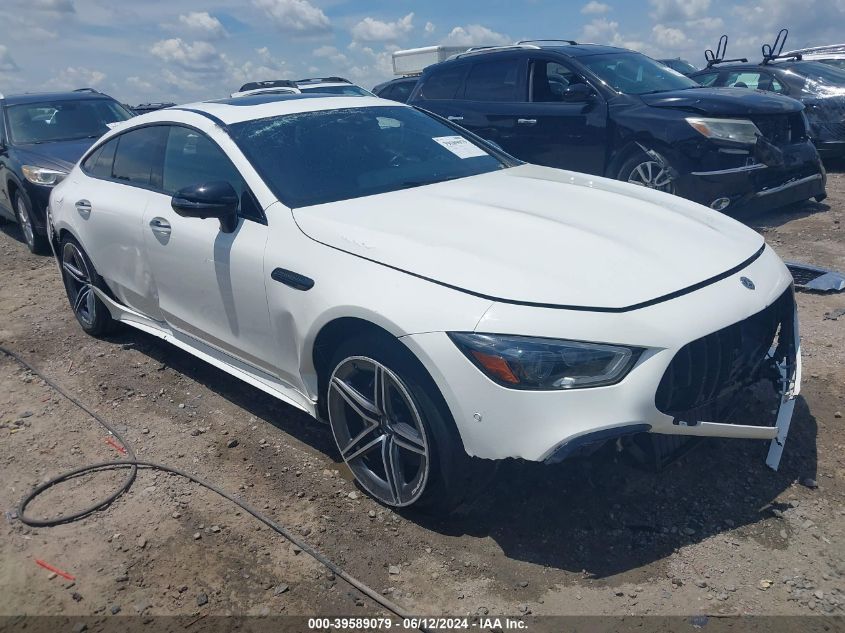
(428,295)
(143,108)
(41,137)
(681,65)
(396,89)
(833,54)
(820,87)
(609,111)
(324,85)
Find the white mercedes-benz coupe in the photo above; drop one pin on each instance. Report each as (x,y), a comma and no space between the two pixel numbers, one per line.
(430,297)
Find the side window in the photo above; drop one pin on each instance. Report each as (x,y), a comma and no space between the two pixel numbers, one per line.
(191,158)
(401,91)
(549,79)
(138,156)
(743,80)
(443,83)
(496,80)
(2,125)
(99,164)
(706,80)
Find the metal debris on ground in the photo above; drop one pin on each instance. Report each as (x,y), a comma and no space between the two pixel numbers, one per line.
(813,278)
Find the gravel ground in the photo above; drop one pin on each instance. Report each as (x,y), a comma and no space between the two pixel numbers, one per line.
(715,533)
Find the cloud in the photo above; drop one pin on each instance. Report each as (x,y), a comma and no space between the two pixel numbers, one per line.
(7,62)
(678,10)
(372,30)
(604,31)
(332,54)
(196,57)
(139,84)
(475,35)
(667,37)
(74,77)
(52,6)
(429,28)
(295,16)
(595,8)
(202,25)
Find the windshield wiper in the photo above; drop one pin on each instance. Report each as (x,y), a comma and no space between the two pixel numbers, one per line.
(409,184)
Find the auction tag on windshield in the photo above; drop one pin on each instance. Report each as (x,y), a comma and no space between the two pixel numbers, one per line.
(459,146)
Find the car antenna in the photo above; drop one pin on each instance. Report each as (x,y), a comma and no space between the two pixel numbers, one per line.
(719,56)
(774,51)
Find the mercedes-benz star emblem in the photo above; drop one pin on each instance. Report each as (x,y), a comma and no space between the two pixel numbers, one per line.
(747,283)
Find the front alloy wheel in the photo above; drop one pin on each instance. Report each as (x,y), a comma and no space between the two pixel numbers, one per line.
(35,243)
(379,431)
(649,173)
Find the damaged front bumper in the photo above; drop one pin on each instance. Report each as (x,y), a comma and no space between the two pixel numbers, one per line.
(796,176)
(495,422)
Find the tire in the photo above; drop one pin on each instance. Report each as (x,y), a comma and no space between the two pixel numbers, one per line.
(78,275)
(37,244)
(402,447)
(642,169)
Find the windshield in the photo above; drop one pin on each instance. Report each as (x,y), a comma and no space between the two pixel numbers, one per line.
(312,158)
(351,91)
(681,65)
(820,74)
(836,63)
(635,74)
(48,121)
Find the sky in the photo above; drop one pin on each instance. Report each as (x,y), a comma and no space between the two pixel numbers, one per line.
(188,50)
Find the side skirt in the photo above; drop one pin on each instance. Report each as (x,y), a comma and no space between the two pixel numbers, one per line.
(232,366)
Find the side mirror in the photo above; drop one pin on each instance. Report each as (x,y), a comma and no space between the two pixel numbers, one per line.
(576,93)
(216,199)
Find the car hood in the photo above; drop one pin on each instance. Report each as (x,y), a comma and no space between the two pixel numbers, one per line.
(56,154)
(723,101)
(539,235)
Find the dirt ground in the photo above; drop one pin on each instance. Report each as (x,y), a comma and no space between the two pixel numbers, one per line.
(715,533)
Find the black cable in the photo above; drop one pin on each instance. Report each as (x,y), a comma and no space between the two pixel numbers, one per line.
(133,464)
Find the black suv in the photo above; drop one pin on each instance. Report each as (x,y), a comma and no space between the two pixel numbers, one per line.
(41,138)
(614,112)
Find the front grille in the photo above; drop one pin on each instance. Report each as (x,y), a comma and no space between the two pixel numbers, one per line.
(781,129)
(705,376)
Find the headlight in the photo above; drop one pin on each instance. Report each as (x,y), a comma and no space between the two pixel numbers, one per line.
(42,175)
(737,130)
(523,362)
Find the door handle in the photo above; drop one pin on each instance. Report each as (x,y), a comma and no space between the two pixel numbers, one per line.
(160,226)
(527,122)
(454,118)
(84,208)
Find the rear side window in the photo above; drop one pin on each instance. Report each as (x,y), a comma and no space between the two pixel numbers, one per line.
(99,164)
(496,80)
(137,160)
(443,83)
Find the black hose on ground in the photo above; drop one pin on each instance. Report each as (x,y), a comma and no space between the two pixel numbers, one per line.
(132,464)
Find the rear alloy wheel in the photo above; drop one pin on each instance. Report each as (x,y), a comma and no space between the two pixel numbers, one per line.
(80,278)
(36,243)
(379,430)
(645,171)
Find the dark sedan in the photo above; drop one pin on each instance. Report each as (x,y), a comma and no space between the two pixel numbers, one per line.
(41,138)
(820,87)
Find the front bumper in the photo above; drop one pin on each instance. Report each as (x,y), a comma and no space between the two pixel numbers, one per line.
(758,186)
(496,422)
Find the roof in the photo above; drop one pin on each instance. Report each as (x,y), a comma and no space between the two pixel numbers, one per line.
(262,106)
(36,97)
(570,50)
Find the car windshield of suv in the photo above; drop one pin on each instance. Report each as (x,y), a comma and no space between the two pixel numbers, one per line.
(635,74)
(312,158)
(351,91)
(63,120)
